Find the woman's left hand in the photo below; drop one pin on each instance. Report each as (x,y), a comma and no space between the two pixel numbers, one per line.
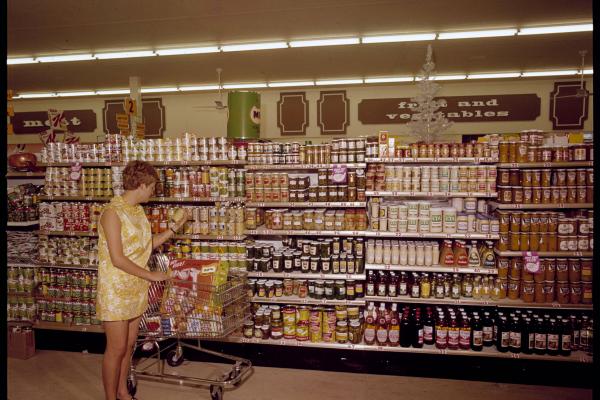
(185,217)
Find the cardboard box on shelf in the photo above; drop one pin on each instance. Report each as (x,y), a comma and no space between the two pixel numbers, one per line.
(21,343)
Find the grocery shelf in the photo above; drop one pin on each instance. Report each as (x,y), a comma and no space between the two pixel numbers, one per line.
(83,164)
(210,237)
(576,356)
(433,268)
(545,253)
(196,199)
(58,326)
(283,232)
(154,163)
(25,175)
(305,300)
(24,223)
(429,160)
(503,303)
(35,264)
(429,235)
(76,198)
(66,233)
(300,275)
(386,193)
(270,167)
(552,206)
(346,204)
(555,164)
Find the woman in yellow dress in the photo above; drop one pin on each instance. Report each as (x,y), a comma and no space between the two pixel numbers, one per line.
(124,249)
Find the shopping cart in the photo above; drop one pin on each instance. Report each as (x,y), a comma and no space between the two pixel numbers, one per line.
(183,309)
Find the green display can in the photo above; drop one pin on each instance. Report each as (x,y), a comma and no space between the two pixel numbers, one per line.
(244,115)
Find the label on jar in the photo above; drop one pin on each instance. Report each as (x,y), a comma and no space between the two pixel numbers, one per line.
(478,338)
(552,341)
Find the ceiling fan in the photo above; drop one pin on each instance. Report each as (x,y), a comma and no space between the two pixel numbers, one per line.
(581,91)
(218,103)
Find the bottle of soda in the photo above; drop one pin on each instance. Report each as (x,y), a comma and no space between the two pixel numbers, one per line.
(487,329)
(382,326)
(371,283)
(370,324)
(453,333)
(381,284)
(406,330)
(394,329)
(541,337)
(476,334)
(515,336)
(576,325)
(584,338)
(503,343)
(464,333)
(419,333)
(429,328)
(553,337)
(441,332)
(566,337)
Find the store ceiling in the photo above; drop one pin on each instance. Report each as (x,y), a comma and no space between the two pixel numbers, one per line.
(67,26)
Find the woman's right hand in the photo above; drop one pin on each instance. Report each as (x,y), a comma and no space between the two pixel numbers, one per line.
(157,276)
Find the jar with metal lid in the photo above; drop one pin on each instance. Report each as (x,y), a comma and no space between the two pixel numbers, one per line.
(341,332)
(329,290)
(340,290)
(355,332)
(319,291)
(248,329)
(562,292)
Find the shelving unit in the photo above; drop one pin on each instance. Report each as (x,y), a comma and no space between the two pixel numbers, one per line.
(503,303)
(310,204)
(432,268)
(552,206)
(301,275)
(25,175)
(152,199)
(428,235)
(386,193)
(67,233)
(305,300)
(22,224)
(288,167)
(154,163)
(554,164)
(287,232)
(545,253)
(65,327)
(435,160)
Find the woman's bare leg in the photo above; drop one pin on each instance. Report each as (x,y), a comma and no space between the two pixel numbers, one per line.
(116,348)
(134,325)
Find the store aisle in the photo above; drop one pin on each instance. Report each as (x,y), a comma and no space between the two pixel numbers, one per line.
(64,375)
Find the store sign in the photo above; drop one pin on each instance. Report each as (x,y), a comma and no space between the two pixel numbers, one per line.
(333,112)
(153,117)
(34,122)
(485,108)
(568,109)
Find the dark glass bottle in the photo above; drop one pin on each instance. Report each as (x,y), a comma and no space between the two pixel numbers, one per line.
(429,328)
(402,284)
(371,283)
(406,330)
(576,324)
(566,337)
(503,342)
(441,332)
(476,334)
(553,337)
(392,285)
(488,329)
(528,336)
(381,284)
(419,332)
(541,336)
(515,335)
(464,336)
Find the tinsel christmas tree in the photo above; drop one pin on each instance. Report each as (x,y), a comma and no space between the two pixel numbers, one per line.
(427,122)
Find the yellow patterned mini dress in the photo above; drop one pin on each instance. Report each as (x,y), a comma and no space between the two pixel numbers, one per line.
(122,296)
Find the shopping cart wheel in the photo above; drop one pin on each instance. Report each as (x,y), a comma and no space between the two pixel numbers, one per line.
(216,392)
(174,359)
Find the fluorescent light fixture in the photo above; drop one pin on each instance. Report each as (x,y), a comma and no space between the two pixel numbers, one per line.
(73,94)
(340,82)
(588,71)
(549,73)
(477,34)
(286,84)
(445,77)
(24,60)
(390,79)
(69,57)
(112,91)
(494,76)
(254,46)
(159,89)
(36,95)
(398,38)
(124,54)
(556,29)
(324,42)
(202,87)
(245,85)
(187,50)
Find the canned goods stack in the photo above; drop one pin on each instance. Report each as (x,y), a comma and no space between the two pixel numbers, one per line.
(22,204)
(530,147)
(21,303)
(338,151)
(186,148)
(342,324)
(310,219)
(70,216)
(455,216)
(95,182)
(231,253)
(546,231)
(67,296)
(564,280)
(205,182)
(426,285)
(302,288)
(546,186)
(432,178)
(389,147)
(215,220)
(108,151)
(68,251)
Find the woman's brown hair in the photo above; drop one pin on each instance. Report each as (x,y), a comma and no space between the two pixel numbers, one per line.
(138,172)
